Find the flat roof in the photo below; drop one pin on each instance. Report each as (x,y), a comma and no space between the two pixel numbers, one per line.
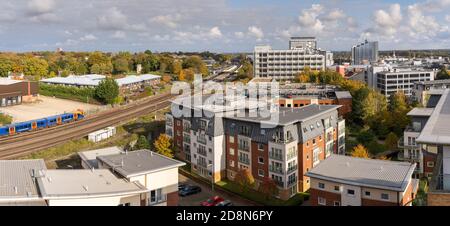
(434,82)
(94,79)
(135,163)
(7,81)
(373,173)
(90,157)
(16,178)
(421,112)
(343,95)
(87,183)
(288,116)
(437,129)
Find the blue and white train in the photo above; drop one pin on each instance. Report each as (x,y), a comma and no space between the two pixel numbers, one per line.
(37,124)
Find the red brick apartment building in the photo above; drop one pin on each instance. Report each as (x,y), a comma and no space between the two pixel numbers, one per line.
(284,152)
(347,181)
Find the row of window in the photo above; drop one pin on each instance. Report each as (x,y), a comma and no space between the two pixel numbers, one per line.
(351,192)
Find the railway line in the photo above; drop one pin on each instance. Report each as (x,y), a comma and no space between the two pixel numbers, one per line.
(26,143)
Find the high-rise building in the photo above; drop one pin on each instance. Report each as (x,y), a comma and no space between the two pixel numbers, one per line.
(286,64)
(365,53)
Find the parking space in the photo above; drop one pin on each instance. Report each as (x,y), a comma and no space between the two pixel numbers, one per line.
(196,199)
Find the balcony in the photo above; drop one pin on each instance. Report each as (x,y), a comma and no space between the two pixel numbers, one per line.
(274,169)
(293,182)
(292,169)
(186,129)
(282,140)
(201,152)
(202,164)
(279,183)
(201,139)
(275,156)
(401,157)
(245,148)
(245,161)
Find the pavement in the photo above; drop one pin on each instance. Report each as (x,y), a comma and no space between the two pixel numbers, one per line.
(195,200)
(46,106)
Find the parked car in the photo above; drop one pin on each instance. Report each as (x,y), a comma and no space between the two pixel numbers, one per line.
(212,201)
(225,203)
(189,190)
(181,186)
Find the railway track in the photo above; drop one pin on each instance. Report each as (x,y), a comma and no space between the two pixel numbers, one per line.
(16,146)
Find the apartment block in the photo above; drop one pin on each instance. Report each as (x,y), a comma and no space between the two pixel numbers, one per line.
(286,64)
(293,146)
(422,90)
(347,181)
(424,139)
(220,145)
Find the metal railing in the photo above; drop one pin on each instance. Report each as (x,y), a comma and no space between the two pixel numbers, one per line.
(274,169)
(275,156)
(244,160)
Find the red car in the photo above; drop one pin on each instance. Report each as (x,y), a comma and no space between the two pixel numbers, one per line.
(212,201)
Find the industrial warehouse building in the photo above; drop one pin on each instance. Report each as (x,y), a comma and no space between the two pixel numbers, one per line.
(128,83)
(13,92)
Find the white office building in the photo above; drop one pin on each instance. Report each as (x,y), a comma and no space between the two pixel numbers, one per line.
(286,64)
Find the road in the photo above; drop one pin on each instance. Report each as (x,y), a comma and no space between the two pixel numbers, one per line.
(194,200)
(25,143)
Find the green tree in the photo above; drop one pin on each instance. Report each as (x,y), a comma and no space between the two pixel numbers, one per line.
(246,71)
(122,62)
(142,143)
(107,91)
(443,74)
(163,145)
(35,67)
(6,66)
(195,63)
(391,141)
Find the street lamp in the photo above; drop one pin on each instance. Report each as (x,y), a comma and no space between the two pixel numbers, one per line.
(212,176)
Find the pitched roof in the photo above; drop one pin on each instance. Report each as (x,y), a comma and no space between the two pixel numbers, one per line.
(16,178)
(140,162)
(380,174)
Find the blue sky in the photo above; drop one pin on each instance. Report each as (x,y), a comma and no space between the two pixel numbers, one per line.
(219,25)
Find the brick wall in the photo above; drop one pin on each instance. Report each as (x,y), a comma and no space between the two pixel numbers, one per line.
(255,163)
(370,202)
(172,199)
(438,199)
(329,196)
(305,160)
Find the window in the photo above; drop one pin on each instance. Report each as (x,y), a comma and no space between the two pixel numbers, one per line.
(210,150)
(322,201)
(337,188)
(336,203)
(314,141)
(156,196)
(260,160)
(231,163)
(231,139)
(367,193)
(210,138)
(261,147)
(178,123)
(263,132)
(261,173)
(231,151)
(385,196)
(430,164)
(209,162)
(350,192)
(321,185)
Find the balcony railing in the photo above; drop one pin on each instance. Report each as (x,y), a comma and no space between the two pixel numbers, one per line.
(245,161)
(201,139)
(201,152)
(274,169)
(292,169)
(292,182)
(275,156)
(279,183)
(201,164)
(281,140)
(245,148)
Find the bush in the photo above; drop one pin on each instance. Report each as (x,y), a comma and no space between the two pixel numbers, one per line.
(71,93)
(5,119)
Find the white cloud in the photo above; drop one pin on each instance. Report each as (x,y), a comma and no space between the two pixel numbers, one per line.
(170,21)
(256,32)
(38,7)
(215,32)
(336,14)
(88,37)
(113,19)
(308,18)
(387,23)
(119,35)
(419,24)
(239,34)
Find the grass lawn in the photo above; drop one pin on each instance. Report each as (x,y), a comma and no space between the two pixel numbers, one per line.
(259,197)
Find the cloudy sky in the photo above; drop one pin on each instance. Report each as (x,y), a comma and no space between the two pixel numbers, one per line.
(219,25)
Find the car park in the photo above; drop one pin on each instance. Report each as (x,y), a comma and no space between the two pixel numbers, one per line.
(212,201)
(189,190)
(225,203)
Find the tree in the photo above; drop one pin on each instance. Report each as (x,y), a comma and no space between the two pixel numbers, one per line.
(365,137)
(175,67)
(391,141)
(245,179)
(303,78)
(6,66)
(107,91)
(122,62)
(443,74)
(268,187)
(397,102)
(196,64)
(142,143)
(163,145)
(35,67)
(246,71)
(182,75)
(360,152)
